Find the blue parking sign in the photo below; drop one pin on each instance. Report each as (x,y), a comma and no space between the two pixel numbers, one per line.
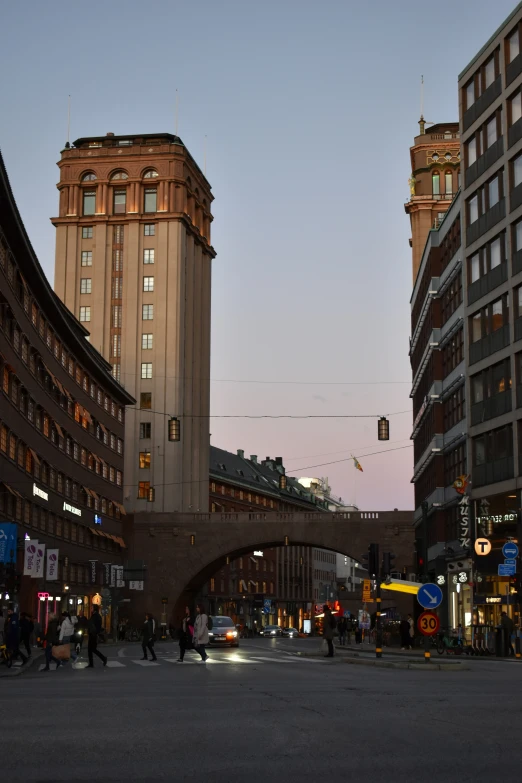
(8,536)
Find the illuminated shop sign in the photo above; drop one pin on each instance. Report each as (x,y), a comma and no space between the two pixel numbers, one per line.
(464,537)
(497,519)
(40,493)
(72,509)
(97,519)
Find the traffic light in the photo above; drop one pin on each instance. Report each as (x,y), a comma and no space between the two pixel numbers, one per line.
(387,564)
(371,561)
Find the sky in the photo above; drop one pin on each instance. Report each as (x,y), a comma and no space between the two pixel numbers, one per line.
(308,110)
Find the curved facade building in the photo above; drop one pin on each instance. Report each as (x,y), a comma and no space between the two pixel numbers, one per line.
(62,418)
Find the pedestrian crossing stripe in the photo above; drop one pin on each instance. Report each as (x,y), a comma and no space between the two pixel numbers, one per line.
(229,660)
(146,663)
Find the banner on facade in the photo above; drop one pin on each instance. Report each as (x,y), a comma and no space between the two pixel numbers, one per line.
(107,574)
(120,582)
(92,576)
(30,557)
(39,561)
(464,526)
(135,585)
(8,536)
(52,564)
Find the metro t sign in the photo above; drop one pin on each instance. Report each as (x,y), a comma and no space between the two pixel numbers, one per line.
(482,546)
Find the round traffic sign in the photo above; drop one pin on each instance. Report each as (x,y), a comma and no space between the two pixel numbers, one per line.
(510,550)
(482,546)
(429,596)
(428,623)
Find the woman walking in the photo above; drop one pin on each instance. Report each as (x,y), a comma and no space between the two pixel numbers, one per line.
(51,637)
(67,633)
(201,632)
(147,638)
(186,634)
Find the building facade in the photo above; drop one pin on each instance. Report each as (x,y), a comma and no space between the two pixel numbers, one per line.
(62,419)
(133,263)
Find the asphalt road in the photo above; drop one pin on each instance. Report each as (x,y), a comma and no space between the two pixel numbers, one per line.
(259,714)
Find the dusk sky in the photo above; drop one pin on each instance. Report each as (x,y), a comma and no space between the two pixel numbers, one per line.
(309,110)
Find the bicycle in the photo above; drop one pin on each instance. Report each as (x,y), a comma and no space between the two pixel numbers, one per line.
(5,656)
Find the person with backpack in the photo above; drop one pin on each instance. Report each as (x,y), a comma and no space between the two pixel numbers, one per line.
(328,630)
(148,637)
(95,628)
(201,629)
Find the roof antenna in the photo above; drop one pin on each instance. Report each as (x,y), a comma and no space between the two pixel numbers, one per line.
(422,122)
(177,110)
(68,142)
(205,157)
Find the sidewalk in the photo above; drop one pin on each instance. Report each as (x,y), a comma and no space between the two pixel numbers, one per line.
(16,668)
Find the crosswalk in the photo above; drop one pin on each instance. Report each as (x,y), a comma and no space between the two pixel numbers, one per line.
(229,660)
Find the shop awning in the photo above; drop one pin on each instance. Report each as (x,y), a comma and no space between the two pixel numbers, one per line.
(88,491)
(35,456)
(86,415)
(119,505)
(59,430)
(94,531)
(104,428)
(12,491)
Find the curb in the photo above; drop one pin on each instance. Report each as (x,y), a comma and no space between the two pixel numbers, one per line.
(414,665)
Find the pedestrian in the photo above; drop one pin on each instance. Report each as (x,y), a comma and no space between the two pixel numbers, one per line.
(37,632)
(95,628)
(51,639)
(412,631)
(2,626)
(148,637)
(67,630)
(186,634)
(121,631)
(328,629)
(201,632)
(404,629)
(507,625)
(342,627)
(26,629)
(12,636)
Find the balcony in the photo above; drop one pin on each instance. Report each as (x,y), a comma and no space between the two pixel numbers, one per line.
(491,407)
(487,220)
(497,470)
(490,344)
(483,163)
(482,103)
(487,283)
(513,69)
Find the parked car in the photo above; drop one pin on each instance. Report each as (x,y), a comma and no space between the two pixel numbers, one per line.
(290,633)
(271,630)
(223,632)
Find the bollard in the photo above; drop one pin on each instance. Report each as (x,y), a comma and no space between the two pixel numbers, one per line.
(517,646)
(427,648)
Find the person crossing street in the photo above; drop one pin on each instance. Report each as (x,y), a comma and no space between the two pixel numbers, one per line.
(148,637)
(95,628)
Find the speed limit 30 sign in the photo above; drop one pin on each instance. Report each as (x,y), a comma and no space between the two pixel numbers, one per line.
(428,623)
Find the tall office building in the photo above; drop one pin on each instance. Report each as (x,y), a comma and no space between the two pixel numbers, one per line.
(133,262)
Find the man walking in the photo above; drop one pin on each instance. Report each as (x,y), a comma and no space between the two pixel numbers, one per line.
(507,626)
(328,629)
(95,628)
(26,629)
(12,636)
(147,638)
(342,627)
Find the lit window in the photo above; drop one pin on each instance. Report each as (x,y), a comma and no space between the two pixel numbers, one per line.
(148,256)
(146,370)
(85,314)
(87,232)
(144,460)
(148,284)
(147,312)
(145,400)
(150,200)
(119,202)
(150,174)
(146,342)
(435,181)
(150,229)
(89,202)
(143,489)
(85,285)
(145,430)
(89,177)
(513,46)
(86,257)
(448,183)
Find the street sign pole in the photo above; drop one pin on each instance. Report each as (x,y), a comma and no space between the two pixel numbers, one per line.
(378,622)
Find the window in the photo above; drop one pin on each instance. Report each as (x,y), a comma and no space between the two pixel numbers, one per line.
(517,171)
(143,489)
(85,314)
(147,312)
(448,183)
(435,184)
(116,316)
(453,353)
(120,175)
(518,302)
(87,232)
(513,46)
(119,202)
(150,200)
(493,192)
(144,460)
(148,256)
(149,229)
(117,286)
(146,370)
(116,345)
(86,257)
(89,202)
(517,235)
(497,316)
(473,209)
(146,342)
(474,266)
(145,430)
(150,174)
(85,285)
(516,107)
(89,177)
(491,132)
(148,284)
(472,150)
(470,94)
(489,72)
(495,253)
(145,400)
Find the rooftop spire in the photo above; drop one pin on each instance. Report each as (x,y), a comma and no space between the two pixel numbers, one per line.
(422,122)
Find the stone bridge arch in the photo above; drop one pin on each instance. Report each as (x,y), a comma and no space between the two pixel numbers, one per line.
(182,551)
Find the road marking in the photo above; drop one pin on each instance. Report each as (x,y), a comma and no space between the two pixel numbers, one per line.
(271,660)
(52,667)
(146,663)
(116,665)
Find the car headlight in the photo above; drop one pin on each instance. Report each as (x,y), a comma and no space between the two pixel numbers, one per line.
(210,633)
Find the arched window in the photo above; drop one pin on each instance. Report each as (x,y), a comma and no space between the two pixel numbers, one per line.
(89,177)
(119,175)
(448,183)
(150,174)
(435,183)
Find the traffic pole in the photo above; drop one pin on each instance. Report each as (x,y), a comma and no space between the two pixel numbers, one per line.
(378,626)
(427,646)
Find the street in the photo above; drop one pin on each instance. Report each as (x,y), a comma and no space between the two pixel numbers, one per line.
(256,714)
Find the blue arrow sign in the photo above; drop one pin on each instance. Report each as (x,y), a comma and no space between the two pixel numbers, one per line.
(429,596)
(507,570)
(510,550)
